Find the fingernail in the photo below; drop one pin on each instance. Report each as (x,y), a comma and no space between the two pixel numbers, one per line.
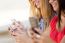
(19,22)
(14,35)
(13,23)
(14,30)
(8,28)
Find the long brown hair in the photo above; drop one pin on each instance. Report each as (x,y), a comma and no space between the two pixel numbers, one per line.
(61,8)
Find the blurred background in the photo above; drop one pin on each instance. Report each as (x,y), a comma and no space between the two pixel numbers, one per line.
(12,9)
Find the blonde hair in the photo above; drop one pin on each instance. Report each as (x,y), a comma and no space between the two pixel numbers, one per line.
(33,10)
(44,11)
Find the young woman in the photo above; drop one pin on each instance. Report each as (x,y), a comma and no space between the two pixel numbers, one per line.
(40,10)
(56,30)
(17,30)
(36,12)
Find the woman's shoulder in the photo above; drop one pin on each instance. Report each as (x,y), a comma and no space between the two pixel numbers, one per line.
(53,20)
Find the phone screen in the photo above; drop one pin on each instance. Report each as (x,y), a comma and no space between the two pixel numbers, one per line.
(34,22)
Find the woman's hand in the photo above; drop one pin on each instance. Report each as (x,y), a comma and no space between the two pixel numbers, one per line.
(16,27)
(18,32)
(35,34)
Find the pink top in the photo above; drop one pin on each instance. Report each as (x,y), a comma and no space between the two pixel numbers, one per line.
(54,34)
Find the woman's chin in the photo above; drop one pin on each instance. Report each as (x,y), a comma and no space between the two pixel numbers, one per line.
(55,9)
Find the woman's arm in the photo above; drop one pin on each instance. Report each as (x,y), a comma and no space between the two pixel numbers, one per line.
(45,37)
(63,40)
(19,33)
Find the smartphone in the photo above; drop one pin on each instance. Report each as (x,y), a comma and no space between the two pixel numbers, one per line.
(34,22)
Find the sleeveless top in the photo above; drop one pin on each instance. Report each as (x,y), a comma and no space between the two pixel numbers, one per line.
(54,34)
(41,25)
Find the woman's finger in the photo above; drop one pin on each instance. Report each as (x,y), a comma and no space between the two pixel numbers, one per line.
(36,30)
(17,23)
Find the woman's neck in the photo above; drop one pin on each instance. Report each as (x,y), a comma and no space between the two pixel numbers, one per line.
(62,17)
(62,22)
